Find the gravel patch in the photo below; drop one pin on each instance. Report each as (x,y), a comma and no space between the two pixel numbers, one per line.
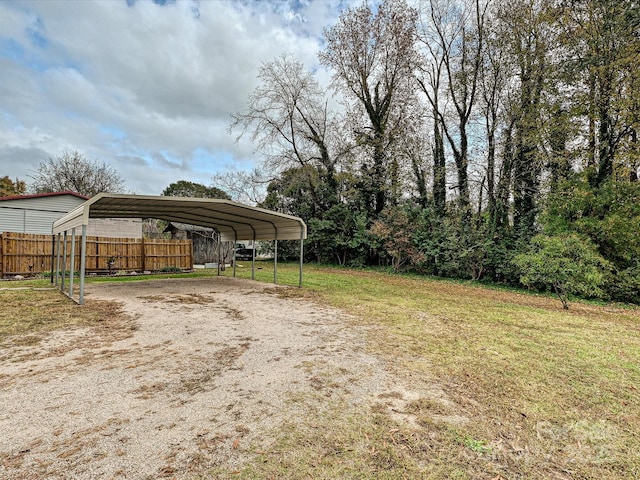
(206,374)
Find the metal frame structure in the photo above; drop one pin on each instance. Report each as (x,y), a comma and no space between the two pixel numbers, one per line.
(233,221)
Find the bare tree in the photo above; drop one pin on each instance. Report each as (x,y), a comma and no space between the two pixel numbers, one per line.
(244,187)
(288,117)
(373,56)
(458,31)
(431,81)
(494,78)
(73,171)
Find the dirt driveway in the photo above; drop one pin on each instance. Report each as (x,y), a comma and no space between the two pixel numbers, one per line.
(203,375)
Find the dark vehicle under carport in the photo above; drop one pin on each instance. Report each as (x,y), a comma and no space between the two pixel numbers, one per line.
(244,254)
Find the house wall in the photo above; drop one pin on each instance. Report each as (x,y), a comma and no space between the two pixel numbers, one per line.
(37,214)
(114,227)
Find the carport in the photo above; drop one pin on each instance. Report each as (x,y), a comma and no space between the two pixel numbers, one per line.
(233,221)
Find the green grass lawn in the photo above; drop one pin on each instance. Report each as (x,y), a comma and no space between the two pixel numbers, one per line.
(546,393)
(533,391)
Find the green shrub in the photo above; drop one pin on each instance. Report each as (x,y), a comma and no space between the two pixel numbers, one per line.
(624,285)
(566,264)
(170,270)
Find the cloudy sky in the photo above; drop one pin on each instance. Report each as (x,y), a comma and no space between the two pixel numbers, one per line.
(146,86)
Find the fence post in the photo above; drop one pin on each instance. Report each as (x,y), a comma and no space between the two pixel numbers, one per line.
(190,245)
(143,254)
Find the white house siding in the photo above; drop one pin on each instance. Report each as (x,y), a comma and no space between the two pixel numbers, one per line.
(37,214)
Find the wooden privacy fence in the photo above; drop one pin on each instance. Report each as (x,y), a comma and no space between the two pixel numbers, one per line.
(25,254)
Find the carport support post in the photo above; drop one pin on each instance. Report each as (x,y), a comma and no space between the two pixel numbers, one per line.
(64,259)
(235,241)
(72,263)
(275,262)
(301,258)
(57,259)
(83,263)
(219,241)
(53,254)
(253,259)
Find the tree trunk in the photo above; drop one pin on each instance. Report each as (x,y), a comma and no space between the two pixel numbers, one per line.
(439,168)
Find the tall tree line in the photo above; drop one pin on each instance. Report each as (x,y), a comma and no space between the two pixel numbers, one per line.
(466,128)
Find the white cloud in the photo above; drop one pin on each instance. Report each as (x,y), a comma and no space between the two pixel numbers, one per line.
(147,88)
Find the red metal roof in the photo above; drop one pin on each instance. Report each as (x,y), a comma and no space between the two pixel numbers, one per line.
(48,194)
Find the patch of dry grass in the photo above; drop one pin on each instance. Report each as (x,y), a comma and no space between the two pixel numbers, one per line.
(195,299)
(29,315)
(186,299)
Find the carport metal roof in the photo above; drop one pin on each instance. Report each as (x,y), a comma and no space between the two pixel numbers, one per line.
(233,221)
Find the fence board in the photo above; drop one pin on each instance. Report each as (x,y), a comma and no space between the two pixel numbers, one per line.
(25,254)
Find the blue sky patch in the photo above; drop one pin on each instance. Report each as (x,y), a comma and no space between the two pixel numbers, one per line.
(36,33)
